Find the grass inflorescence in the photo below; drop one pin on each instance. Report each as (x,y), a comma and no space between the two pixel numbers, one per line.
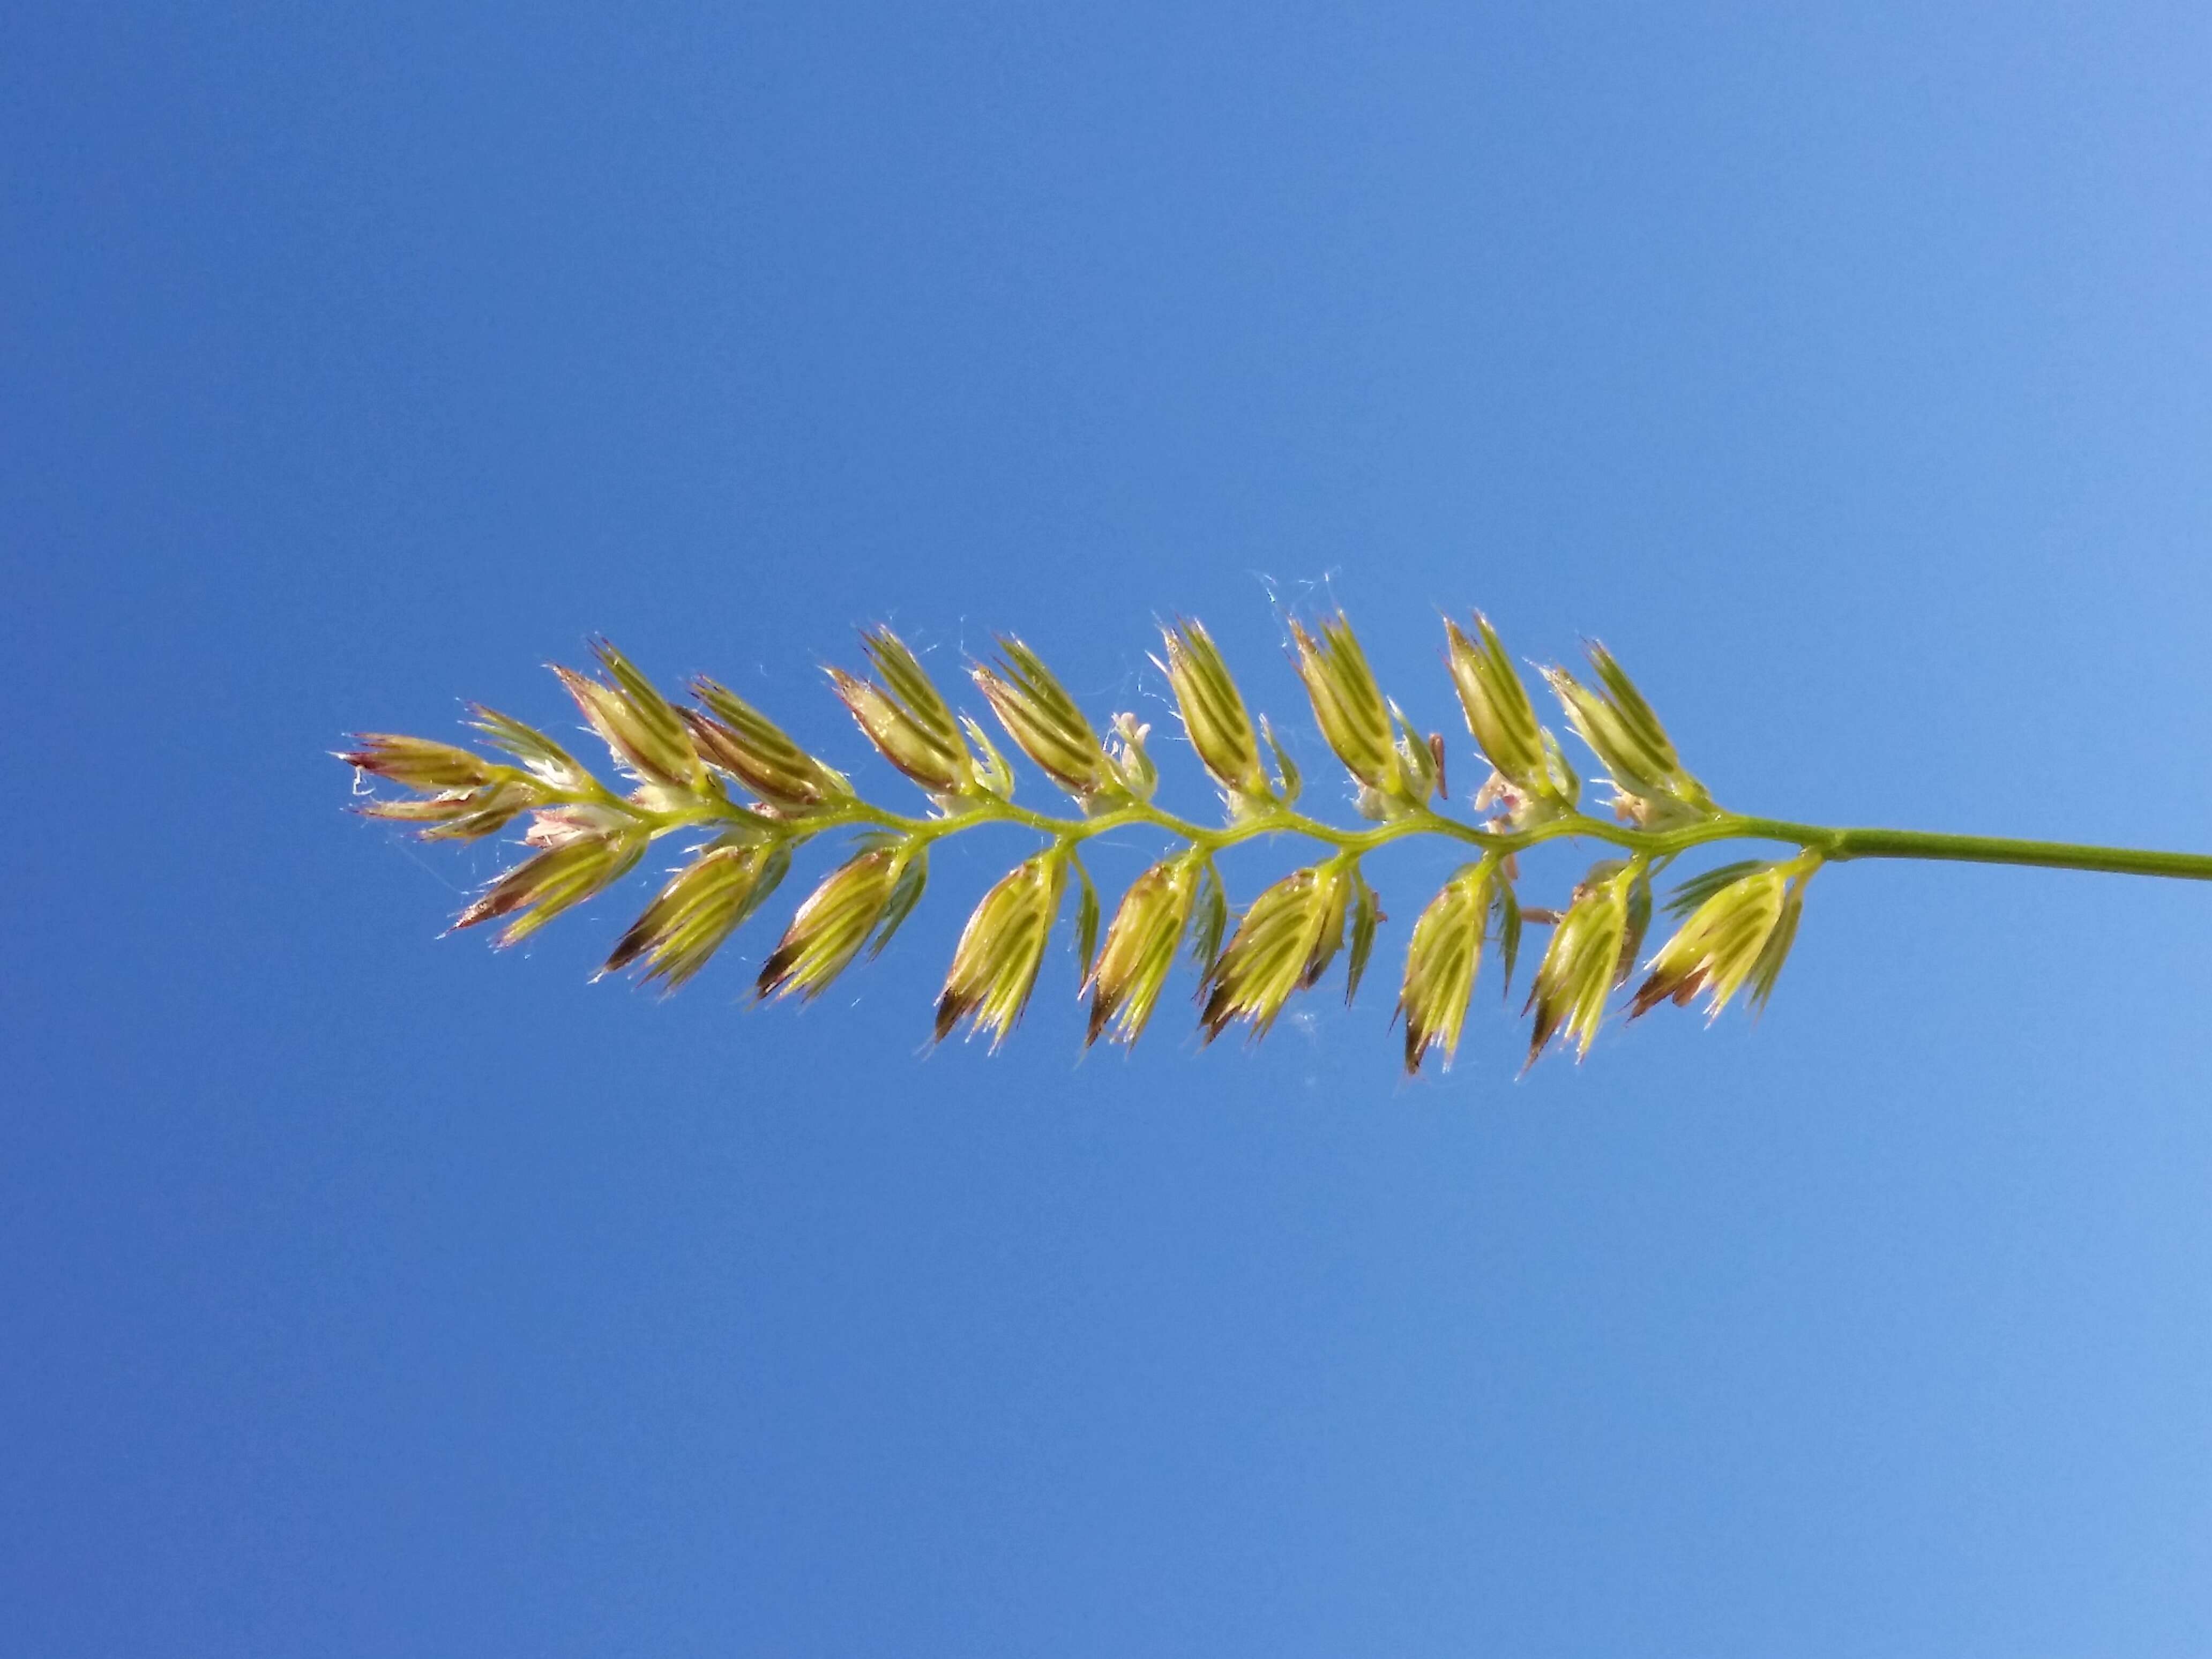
(719,769)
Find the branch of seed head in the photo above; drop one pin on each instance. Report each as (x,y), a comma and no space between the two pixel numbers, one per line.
(680,763)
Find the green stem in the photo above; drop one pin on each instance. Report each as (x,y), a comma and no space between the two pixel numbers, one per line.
(1839,845)
(1835,846)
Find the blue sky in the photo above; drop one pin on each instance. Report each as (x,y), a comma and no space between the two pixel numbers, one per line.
(372,1294)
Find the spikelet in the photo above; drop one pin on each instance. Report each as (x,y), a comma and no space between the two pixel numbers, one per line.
(699,908)
(419,764)
(580,855)
(543,759)
(734,737)
(1285,943)
(1651,787)
(1737,935)
(1043,721)
(1443,960)
(832,926)
(646,735)
(905,717)
(994,968)
(1349,707)
(1529,775)
(465,798)
(1583,961)
(1214,716)
(1140,948)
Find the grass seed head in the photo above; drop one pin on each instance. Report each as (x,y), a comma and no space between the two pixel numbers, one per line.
(1737,928)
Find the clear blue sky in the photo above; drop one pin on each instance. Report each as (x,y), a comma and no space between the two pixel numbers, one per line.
(368,1293)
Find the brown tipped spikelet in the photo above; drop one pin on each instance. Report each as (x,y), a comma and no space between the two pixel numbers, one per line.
(831,926)
(1737,936)
(1443,959)
(581,852)
(996,966)
(461,796)
(748,802)
(702,906)
(1583,961)
(1140,948)
(1285,943)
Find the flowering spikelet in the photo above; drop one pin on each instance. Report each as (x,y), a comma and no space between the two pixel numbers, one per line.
(1442,960)
(905,717)
(465,796)
(1285,943)
(1133,771)
(1214,716)
(1650,784)
(419,763)
(581,852)
(646,735)
(1348,705)
(733,736)
(994,968)
(459,814)
(1043,720)
(1583,962)
(699,908)
(543,758)
(1526,765)
(1726,942)
(1140,947)
(831,926)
